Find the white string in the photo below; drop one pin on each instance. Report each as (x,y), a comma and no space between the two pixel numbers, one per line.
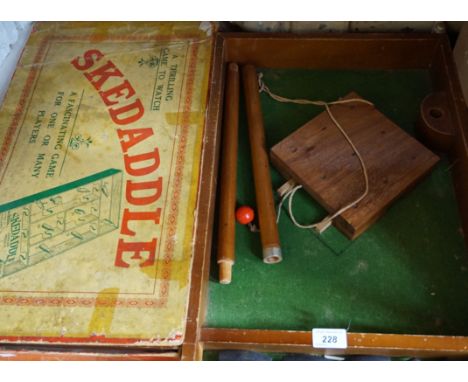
(325,223)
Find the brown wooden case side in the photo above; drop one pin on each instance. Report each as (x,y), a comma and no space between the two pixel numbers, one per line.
(332,51)
(205,209)
(445,79)
(358,343)
(76,355)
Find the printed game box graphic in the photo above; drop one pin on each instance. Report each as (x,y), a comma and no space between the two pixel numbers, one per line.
(46,224)
(101,136)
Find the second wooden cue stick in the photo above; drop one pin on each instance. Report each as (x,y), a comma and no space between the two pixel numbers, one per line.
(227,203)
(261,169)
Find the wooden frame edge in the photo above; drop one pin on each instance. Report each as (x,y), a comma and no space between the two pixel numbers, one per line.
(191,349)
(358,343)
(76,355)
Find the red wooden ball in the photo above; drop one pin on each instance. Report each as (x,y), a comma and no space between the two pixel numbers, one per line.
(245,214)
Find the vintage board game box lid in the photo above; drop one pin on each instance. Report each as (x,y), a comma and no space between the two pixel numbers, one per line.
(318,157)
(100,134)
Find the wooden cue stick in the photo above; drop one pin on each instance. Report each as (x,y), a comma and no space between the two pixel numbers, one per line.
(261,169)
(227,204)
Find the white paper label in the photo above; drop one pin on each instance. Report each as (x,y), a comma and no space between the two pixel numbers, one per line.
(329,338)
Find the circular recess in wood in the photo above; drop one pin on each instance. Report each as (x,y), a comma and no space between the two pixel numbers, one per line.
(435,123)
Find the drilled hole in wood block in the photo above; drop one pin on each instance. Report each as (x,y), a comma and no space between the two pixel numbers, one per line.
(436,113)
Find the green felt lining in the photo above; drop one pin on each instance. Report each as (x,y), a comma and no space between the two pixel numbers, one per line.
(408,273)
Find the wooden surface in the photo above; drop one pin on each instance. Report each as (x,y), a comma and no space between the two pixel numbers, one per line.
(435,122)
(444,76)
(318,157)
(261,168)
(358,343)
(228,174)
(332,50)
(77,355)
(460,54)
(205,211)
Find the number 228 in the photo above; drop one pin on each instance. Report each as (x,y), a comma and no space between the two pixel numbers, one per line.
(329,339)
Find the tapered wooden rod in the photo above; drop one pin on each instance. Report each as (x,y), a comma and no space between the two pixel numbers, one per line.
(261,169)
(227,203)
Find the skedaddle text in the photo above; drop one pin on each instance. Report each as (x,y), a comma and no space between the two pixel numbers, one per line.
(143,187)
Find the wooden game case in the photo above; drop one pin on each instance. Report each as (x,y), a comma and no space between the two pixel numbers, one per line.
(342,51)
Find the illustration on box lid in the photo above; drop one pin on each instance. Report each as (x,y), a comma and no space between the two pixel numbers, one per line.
(101,133)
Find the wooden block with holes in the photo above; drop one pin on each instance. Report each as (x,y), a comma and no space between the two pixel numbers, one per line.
(318,157)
